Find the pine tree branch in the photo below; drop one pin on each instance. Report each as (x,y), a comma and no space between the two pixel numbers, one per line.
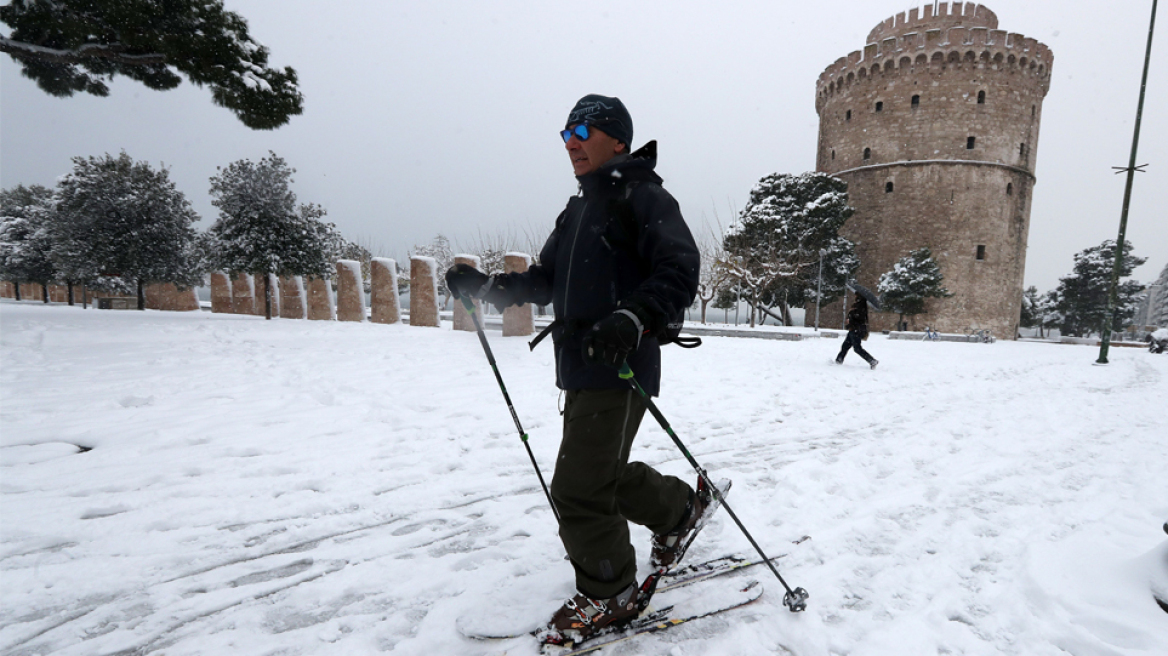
(113,52)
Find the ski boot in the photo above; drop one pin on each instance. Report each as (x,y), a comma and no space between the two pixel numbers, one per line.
(873,363)
(668,548)
(582,617)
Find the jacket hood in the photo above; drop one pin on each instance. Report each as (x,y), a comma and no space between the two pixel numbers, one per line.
(637,165)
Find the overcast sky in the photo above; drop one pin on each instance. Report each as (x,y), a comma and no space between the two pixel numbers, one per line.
(442,117)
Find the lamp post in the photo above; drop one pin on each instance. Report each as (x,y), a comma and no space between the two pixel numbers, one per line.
(819,287)
(1131,169)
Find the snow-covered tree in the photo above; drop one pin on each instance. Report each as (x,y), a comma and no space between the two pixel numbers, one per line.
(260,229)
(774,245)
(1029,317)
(913,278)
(1083,294)
(25,239)
(118,218)
(68,46)
(713,278)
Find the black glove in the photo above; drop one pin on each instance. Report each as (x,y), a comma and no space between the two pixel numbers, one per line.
(611,339)
(465,280)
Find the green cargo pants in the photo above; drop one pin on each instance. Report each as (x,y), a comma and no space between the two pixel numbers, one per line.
(598,491)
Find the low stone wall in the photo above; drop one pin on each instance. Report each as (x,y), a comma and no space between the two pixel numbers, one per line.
(941,337)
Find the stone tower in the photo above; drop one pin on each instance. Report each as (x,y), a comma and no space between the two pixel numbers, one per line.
(934,126)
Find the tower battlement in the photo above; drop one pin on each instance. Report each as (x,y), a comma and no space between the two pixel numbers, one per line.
(940,47)
(937,16)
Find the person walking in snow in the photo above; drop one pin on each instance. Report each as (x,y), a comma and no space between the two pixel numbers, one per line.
(857,333)
(619,264)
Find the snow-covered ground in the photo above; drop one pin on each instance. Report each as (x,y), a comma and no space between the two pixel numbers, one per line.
(293,487)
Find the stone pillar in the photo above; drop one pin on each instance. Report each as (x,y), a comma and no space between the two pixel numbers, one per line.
(320,300)
(350,291)
(517,321)
(383,299)
(153,296)
(423,291)
(242,294)
(168,297)
(462,320)
(259,295)
(293,300)
(221,293)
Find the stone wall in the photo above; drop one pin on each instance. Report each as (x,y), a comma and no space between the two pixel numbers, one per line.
(934,126)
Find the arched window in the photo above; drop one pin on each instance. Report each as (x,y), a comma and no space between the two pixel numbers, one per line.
(879,105)
(981,97)
(1009,188)
(916,101)
(1033,109)
(888,187)
(833,153)
(848,115)
(867,153)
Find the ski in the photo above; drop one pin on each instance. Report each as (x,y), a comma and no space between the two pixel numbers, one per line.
(706,570)
(656,621)
(672,580)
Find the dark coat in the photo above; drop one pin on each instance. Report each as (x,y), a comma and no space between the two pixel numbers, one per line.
(858,320)
(590,267)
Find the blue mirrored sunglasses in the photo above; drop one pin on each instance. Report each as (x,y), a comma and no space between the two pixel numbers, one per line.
(580,131)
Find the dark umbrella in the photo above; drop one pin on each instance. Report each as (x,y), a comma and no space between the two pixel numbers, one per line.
(861,290)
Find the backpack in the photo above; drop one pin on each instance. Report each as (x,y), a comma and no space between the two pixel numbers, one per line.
(624,229)
(620,234)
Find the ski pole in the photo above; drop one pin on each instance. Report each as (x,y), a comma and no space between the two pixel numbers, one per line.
(470,309)
(795,600)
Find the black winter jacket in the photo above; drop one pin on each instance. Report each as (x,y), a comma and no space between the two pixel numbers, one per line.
(591,267)
(858,321)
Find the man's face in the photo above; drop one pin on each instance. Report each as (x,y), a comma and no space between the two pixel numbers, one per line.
(589,155)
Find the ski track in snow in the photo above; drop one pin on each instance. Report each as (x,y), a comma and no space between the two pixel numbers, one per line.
(293,487)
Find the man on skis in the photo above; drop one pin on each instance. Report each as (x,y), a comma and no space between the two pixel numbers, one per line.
(619,266)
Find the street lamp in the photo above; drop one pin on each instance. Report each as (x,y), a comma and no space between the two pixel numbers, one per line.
(1130,169)
(819,287)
